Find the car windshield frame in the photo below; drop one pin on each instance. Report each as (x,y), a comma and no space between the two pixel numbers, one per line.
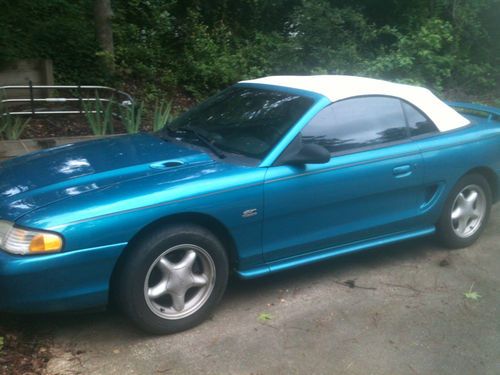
(259,109)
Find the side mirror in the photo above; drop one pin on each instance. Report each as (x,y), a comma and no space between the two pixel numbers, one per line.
(308,153)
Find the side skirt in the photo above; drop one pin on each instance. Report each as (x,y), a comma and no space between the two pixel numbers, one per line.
(316,256)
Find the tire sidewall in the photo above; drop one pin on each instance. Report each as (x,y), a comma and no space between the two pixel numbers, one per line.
(445,227)
(145,254)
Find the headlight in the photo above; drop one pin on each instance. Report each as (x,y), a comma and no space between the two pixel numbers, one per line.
(26,241)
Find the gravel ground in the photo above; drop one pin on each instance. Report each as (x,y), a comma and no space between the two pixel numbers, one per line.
(399,309)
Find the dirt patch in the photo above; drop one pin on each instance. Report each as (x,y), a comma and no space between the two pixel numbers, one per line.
(23,349)
(48,126)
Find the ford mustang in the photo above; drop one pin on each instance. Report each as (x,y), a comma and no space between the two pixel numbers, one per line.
(267,175)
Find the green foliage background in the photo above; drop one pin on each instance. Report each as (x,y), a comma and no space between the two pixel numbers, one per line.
(199,46)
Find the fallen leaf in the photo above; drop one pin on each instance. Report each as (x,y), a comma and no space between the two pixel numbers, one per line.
(472,295)
(265,316)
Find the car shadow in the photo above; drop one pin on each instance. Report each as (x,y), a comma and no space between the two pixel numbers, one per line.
(335,268)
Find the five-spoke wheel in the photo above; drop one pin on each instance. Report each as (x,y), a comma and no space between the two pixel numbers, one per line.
(172,278)
(179,281)
(466,212)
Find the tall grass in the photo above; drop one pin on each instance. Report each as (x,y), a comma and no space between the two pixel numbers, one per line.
(99,115)
(162,115)
(132,117)
(11,127)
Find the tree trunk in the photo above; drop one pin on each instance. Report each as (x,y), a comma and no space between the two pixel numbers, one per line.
(103,15)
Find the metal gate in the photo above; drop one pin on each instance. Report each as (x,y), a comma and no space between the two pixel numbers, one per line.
(57,99)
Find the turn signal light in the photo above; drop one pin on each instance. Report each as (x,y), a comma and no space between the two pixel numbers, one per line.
(45,242)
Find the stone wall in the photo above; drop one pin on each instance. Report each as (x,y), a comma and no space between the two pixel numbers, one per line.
(40,72)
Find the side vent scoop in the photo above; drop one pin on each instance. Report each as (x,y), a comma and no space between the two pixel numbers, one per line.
(167,164)
(431,193)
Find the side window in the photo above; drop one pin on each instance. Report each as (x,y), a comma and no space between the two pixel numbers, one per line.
(419,123)
(356,123)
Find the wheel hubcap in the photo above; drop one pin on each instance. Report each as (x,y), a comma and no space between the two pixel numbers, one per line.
(179,281)
(468,211)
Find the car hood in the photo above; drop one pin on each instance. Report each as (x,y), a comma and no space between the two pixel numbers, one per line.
(41,178)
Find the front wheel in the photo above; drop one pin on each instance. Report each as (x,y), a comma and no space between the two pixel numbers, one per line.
(172,280)
(466,212)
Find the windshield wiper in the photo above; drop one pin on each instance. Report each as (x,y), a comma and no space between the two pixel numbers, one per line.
(204,139)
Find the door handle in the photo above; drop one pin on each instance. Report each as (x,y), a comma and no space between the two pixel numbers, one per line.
(402,170)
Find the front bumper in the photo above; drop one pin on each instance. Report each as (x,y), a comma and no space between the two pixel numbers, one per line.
(72,280)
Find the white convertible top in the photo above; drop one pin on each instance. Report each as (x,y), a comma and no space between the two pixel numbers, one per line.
(337,87)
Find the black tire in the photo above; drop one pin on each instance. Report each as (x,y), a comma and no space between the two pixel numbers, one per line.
(446,226)
(137,266)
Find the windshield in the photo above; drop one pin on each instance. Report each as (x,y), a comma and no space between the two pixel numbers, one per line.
(243,120)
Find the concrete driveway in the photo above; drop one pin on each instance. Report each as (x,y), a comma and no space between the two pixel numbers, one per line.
(406,314)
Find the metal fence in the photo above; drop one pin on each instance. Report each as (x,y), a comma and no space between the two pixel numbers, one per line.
(58,99)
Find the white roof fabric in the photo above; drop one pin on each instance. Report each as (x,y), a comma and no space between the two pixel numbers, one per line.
(338,87)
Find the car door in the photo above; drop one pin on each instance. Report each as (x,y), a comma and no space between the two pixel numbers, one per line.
(368,189)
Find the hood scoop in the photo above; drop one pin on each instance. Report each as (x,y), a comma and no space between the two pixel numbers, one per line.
(184,161)
(167,164)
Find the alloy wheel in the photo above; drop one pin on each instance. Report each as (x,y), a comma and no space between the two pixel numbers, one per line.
(468,211)
(179,281)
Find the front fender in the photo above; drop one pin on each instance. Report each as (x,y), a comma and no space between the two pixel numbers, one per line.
(117,214)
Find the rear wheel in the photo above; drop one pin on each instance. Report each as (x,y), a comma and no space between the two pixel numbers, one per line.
(466,212)
(172,280)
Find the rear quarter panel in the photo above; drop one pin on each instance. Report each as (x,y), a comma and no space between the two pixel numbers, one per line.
(449,156)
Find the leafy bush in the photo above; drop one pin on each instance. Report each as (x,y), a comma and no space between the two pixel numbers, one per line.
(211,56)
(422,57)
(328,39)
(60,30)
(196,47)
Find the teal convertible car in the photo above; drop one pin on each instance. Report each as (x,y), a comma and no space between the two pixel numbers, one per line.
(268,174)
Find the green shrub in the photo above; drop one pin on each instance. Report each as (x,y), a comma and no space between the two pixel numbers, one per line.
(196,47)
(211,57)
